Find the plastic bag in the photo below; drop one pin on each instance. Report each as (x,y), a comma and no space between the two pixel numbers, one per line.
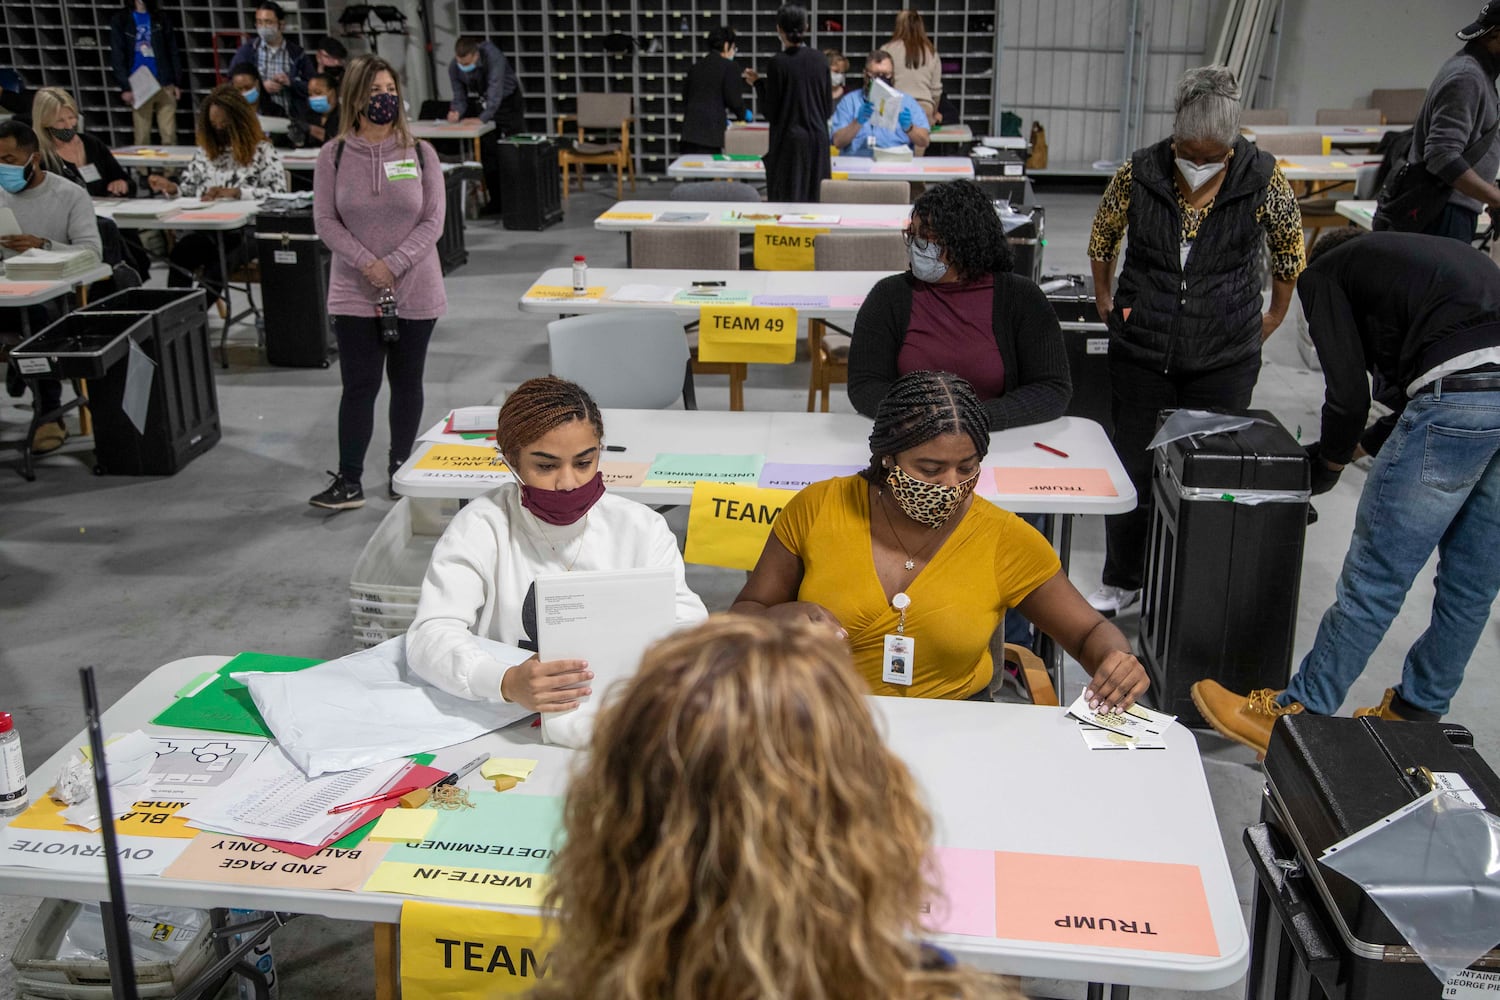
(157,933)
(1433,868)
(1198,423)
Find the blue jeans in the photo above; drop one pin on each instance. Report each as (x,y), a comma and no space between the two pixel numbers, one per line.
(1435,484)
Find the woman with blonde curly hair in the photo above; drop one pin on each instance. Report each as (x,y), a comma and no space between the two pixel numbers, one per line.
(741,830)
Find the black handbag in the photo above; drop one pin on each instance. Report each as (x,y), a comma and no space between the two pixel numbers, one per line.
(1413,197)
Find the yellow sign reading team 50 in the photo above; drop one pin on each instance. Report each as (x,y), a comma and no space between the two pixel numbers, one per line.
(754,334)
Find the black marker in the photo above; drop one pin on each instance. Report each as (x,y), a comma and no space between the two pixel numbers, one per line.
(614,447)
(708,284)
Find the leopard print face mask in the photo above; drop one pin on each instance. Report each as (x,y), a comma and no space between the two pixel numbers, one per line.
(927,503)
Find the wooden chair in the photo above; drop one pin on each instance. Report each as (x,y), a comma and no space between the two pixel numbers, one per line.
(1029,673)
(711,249)
(1265,116)
(829,352)
(598,113)
(1399,106)
(1350,116)
(865,192)
(747,141)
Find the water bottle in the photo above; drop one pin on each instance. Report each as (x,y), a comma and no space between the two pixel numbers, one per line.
(580,275)
(13,797)
(260,956)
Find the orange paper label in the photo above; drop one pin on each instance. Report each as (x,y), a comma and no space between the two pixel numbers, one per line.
(144,819)
(1054,482)
(947,170)
(24,287)
(210,216)
(1142,905)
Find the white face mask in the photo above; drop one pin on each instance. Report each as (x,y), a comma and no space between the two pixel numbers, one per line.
(1196,174)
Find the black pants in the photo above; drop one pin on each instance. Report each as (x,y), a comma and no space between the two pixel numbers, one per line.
(509,119)
(1139,393)
(362,354)
(1455,223)
(690,148)
(201,250)
(38,317)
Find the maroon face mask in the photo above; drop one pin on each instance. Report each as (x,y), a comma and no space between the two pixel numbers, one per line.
(563,506)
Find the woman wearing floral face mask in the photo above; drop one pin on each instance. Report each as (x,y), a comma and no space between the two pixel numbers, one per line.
(558,518)
(1185,320)
(916,571)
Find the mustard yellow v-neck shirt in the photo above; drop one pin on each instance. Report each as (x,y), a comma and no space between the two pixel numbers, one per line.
(990,562)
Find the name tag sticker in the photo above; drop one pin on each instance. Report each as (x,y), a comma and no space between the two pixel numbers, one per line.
(89,173)
(33,366)
(899,660)
(401,170)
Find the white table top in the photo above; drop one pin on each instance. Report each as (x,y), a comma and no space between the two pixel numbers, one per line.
(51,289)
(932,169)
(817,438)
(300,159)
(443,129)
(1362,213)
(243,212)
(832,285)
(852,218)
(1043,810)
(1325,168)
(1339,136)
(155,156)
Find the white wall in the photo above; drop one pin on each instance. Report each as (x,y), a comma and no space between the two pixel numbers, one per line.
(1334,52)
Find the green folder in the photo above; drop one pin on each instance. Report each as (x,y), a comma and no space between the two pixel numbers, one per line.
(225,705)
(747,157)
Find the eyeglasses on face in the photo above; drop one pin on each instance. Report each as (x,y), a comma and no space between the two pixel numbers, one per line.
(913,240)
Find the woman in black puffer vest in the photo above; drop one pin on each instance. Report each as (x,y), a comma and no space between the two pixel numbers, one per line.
(1186,321)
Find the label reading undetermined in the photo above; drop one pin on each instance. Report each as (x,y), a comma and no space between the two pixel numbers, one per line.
(284,256)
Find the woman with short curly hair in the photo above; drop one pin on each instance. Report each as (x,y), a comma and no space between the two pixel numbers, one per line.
(960,309)
(741,830)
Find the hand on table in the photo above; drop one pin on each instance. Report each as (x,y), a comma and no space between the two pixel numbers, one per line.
(161,185)
(453,116)
(21,243)
(808,611)
(221,193)
(550,686)
(1116,683)
(378,274)
(117,187)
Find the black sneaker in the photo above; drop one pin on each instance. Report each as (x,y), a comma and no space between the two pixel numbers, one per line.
(390,490)
(340,495)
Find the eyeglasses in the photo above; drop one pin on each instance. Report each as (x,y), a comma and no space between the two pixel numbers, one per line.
(913,240)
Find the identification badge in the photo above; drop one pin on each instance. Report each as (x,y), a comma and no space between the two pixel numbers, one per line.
(89,173)
(900,660)
(401,170)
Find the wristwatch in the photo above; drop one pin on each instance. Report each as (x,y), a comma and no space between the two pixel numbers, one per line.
(46,243)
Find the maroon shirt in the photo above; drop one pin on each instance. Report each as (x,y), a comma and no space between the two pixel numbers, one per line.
(952,329)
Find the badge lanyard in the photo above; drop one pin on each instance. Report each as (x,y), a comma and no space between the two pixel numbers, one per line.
(899,661)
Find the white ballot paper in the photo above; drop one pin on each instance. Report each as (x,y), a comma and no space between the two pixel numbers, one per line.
(472,419)
(887,101)
(608,618)
(1136,721)
(143,86)
(8,224)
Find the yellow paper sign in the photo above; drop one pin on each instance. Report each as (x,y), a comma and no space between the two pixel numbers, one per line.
(143,819)
(518,767)
(634,216)
(784,248)
(405,825)
(728,524)
(478,885)
(1327,145)
(464,457)
(755,334)
(561,292)
(455,953)
(840,175)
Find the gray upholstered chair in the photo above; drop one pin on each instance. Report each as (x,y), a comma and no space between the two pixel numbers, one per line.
(633,359)
(1350,116)
(865,192)
(828,345)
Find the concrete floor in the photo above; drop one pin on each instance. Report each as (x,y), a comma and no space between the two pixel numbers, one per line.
(126,574)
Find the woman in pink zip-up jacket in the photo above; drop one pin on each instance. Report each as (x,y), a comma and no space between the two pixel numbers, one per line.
(378,202)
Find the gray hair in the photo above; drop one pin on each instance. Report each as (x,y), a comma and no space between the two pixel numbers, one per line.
(1208,106)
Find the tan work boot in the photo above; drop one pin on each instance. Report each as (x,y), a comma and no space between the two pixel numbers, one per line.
(48,437)
(1383,710)
(1244,719)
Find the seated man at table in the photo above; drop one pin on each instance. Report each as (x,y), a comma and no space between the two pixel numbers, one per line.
(52,214)
(943,565)
(854,133)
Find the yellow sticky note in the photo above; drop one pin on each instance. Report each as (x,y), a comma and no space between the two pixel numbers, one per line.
(1327,145)
(635,216)
(784,248)
(404,825)
(561,292)
(728,524)
(518,767)
(467,457)
(1338,164)
(753,334)
(840,175)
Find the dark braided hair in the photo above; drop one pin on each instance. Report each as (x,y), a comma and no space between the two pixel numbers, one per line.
(539,406)
(919,407)
(961,218)
(792,20)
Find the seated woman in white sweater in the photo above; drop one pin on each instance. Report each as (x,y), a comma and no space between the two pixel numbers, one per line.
(558,518)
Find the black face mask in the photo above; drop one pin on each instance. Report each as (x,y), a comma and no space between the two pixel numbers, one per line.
(221,136)
(870,82)
(63,134)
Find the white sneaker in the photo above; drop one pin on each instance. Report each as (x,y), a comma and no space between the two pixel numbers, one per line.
(1109,601)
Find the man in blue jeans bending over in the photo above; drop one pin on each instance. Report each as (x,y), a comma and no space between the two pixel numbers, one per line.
(1423,312)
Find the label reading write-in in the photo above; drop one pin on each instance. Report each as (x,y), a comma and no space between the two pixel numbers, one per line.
(747,334)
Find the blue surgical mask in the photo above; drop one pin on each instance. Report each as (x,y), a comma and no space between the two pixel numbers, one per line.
(318,103)
(14,179)
(926,262)
(469,67)
(252,95)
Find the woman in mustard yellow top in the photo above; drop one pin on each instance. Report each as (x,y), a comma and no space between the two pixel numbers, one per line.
(916,572)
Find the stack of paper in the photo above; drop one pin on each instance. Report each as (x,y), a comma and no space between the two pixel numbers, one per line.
(645,293)
(893,154)
(153,208)
(1136,728)
(888,102)
(49,265)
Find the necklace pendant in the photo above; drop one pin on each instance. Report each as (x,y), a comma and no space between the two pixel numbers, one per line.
(911,564)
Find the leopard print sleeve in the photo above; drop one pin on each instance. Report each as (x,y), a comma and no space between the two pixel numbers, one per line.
(1110,218)
(1282,221)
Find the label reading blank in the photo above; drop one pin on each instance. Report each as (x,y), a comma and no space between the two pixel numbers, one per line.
(284,256)
(1096,345)
(1471,983)
(34,366)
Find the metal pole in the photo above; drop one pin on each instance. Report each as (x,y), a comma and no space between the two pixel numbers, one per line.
(1132,15)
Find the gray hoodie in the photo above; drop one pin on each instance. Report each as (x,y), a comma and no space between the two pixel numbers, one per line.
(1460,106)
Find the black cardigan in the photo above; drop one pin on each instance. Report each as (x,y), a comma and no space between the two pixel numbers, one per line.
(96,154)
(1037,385)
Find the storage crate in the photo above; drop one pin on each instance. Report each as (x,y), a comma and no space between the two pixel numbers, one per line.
(51,978)
(390,623)
(395,609)
(369,637)
(391,566)
(81,345)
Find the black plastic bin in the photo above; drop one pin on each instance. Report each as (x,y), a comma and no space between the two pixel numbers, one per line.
(294,266)
(451,250)
(1027,239)
(80,345)
(532,198)
(182,417)
(1087,342)
(1003,176)
(1223,562)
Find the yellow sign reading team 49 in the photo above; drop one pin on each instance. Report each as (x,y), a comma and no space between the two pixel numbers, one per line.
(754,334)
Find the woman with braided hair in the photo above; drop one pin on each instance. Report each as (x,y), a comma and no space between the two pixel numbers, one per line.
(943,564)
(556,518)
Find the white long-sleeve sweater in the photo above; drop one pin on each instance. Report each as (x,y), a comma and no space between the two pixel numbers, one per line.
(483,572)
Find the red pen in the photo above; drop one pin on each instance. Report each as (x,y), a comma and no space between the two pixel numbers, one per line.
(1048,448)
(394,793)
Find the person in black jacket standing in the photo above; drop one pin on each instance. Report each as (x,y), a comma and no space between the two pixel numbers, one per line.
(141,36)
(1423,313)
(1186,321)
(796,100)
(715,85)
